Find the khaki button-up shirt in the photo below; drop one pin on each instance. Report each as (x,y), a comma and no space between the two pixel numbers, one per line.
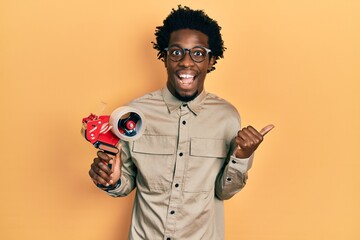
(182,167)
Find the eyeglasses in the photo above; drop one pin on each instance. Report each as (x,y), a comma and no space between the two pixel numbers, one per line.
(197,54)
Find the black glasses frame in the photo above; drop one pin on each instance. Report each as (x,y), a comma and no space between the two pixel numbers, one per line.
(184,50)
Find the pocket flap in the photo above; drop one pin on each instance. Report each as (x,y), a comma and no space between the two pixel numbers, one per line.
(154,144)
(204,147)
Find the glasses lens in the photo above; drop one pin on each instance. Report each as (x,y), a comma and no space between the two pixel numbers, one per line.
(175,53)
(198,54)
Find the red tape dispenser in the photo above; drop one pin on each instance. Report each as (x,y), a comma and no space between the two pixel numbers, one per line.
(125,123)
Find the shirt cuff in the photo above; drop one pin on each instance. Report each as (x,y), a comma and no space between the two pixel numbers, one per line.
(241,164)
(111,188)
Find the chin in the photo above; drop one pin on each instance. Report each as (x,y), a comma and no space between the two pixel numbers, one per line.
(186,97)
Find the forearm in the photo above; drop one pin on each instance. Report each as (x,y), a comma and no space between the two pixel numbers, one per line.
(232,177)
(123,187)
(128,171)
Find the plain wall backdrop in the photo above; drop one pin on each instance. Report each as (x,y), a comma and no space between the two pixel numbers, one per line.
(295,64)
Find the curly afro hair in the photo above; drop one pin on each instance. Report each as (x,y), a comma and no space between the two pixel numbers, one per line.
(186,18)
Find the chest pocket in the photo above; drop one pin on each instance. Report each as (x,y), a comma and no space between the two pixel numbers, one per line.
(154,158)
(153,144)
(206,159)
(213,148)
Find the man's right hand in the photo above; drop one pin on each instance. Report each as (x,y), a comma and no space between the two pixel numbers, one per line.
(100,172)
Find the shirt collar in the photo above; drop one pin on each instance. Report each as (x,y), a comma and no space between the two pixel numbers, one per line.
(173,103)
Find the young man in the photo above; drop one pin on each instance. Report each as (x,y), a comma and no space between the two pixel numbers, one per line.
(192,155)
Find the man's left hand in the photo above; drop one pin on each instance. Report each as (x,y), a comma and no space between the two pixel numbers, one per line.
(248,139)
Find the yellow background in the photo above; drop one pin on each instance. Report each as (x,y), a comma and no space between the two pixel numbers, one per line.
(291,63)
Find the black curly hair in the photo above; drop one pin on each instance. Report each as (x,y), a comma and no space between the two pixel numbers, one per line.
(186,18)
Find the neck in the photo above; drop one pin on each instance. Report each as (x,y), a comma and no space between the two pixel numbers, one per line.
(185,98)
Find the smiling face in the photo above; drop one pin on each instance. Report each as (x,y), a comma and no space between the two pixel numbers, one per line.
(186,78)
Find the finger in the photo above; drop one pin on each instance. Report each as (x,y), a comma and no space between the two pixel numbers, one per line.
(247,144)
(106,159)
(102,170)
(243,144)
(245,134)
(97,179)
(99,164)
(266,129)
(255,135)
(250,135)
(242,138)
(103,156)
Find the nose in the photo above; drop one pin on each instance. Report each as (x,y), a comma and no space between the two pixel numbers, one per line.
(186,61)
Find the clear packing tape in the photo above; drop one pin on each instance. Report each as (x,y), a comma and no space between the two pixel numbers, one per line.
(119,120)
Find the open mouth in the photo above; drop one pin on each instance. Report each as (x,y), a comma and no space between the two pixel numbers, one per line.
(186,79)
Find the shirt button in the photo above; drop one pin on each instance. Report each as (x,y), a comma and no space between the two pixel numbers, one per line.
(172,212)
(180,154)
(184,105)
(176,185)
(233,161)
(168,238)
(184,122)
(228,179)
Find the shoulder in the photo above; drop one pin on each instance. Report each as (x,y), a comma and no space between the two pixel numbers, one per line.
(221,104)
(223,113)
(150,104)
(148,98)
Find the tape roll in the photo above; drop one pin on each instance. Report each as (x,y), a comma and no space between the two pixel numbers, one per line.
(121,113)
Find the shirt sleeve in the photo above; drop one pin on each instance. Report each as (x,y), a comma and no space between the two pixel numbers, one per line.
(233,176)
(128,174)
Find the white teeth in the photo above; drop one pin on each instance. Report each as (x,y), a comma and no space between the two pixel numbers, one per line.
(186,79)
(186,76)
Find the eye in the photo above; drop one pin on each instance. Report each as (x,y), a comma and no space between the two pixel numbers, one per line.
(176,52)
(198,52)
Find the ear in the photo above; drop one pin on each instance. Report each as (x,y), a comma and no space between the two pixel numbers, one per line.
(164,59)
(211,63)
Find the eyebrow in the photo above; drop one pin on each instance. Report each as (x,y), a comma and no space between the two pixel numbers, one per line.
(178,45)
